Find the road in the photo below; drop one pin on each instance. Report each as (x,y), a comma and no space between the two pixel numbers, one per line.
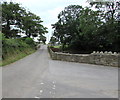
(37,76)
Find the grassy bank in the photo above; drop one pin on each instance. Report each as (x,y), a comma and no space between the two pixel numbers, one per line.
(16,55)
(15,49)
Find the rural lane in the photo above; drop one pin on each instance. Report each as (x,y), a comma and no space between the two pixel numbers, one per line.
(37,76)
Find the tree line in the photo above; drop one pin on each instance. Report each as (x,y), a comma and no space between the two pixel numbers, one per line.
(87,30)
(17,21)
(19,28)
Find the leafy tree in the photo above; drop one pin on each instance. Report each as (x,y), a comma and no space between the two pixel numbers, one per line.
(17,19)
(32,25)
(11,14)
(67,26)
(89,21)
(42,39)
(110,12)
(73,26)
(84,29)
(109,8)
(53,40)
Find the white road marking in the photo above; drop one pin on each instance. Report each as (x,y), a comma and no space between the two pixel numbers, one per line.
(41,91)
(41,83)
(36,97)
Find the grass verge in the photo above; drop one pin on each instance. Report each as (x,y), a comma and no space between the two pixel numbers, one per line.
(17,55)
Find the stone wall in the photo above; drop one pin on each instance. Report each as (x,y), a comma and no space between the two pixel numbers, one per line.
(98,58)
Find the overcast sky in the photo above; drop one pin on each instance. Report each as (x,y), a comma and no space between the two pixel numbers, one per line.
(48,10)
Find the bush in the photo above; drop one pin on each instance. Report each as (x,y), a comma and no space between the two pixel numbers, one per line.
(2,37)
(30,41)
(13,49)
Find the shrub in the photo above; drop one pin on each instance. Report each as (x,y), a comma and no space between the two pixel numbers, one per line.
(29,41)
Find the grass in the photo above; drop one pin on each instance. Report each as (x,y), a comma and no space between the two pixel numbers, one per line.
(15,49)
(17,55)
(58,46)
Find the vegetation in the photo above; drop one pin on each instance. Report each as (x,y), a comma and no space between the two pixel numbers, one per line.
(16,20)
(16,23)
(15,49)
(85,30)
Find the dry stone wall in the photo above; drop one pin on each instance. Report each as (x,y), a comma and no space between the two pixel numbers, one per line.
(99,58)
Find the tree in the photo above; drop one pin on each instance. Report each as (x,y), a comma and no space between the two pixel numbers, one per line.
(73,26)
(11,14)
(32,25)
(53,40)
(17,19)
(67,26)
(42,39)
(110,12)
(109,8)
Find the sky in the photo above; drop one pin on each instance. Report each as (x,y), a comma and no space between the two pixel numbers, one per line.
(48,10)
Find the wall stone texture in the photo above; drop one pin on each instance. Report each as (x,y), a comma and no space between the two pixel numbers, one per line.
(98,58)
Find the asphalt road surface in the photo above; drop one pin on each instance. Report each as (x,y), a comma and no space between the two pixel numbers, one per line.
(37,76)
